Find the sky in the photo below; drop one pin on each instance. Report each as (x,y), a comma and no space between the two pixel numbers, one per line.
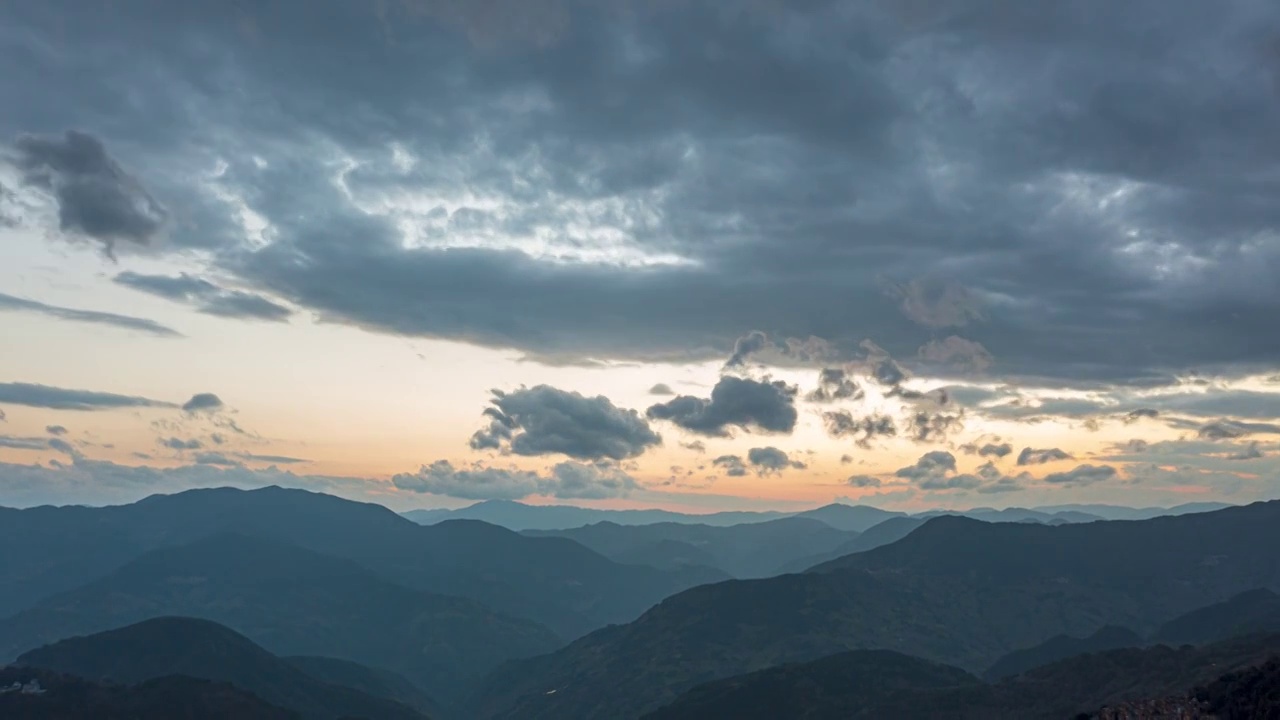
(641,253)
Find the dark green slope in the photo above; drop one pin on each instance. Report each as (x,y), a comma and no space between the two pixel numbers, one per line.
(67,697)
(44,551)
(955,590)
(201,649)
(293,602)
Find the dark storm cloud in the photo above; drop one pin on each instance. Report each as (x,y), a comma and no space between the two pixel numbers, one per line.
(45,396)
(771,460)
(203,402)
(567,480)
(732,464)
(95,196)
(208,298)
(1082,475)
(544,420)
(834,384)
(9,302)
(1038,456)
(1031,166)
(753,405)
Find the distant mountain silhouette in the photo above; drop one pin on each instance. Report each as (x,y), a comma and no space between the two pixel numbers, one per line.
(294,602)
(889,531)
(1120,512)
(745,551)
(861,685)
(955,590)
(519,516)
(551,580)
(666,555)
(1061,647)
(1253,611)
(66,697)
(855,518)
(837,686)
(201,649)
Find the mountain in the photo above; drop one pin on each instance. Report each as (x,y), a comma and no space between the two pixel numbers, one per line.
(66,697)
(837,686)
(955,590)
(889,531)
(1119,512)
(368,680)
(519,516)
(200,649)
(293,602)
(1253,611)
(554,581)
(746,551)
(859,685)
(855,518)
(1252,692)
(1061,647)
(666,555)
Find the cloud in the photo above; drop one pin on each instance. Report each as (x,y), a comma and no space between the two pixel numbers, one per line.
(661,389)
(923,426)
(54,398)
(1252,451)
(95,196)
(3,418)
(997,450)
(842,423)
(216,458)
(1135,445)
(23,443)
(956,352)
(544,420)
(175,443)
(1034,456)
(936,470)
(1139,414)
(1082,475)
(768,460)
(694,445)
(937,462)
(881,366)
(835,384)
(273,459)
(64,447)
(566,480)
(1225,429)
(208,298)
(744,347)
(9,302)
(203,402)
(846,459)
(863,481)
(574,198)
(732,464)
(759,405)
(55,429)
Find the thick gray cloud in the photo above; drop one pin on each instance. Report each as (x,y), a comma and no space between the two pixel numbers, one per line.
(1035,169)
(954,352)
(9,302)
(768,460)
(567,480)
(95,196)
(203,402)
(55,398)
(760,405)
(1082,475)
(732,464)
(835,384)
(1040,456)
(543,420)
(208,298)
(936,470)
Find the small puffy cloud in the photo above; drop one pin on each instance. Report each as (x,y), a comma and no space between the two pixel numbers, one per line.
(1224,429)
(54,398)
(835,384)
(768,460)
(863,481)
(924,426)
(1040,456)
(1082,475)
(846,459)
(694,445)
(203,402)
(55,429)
(732,464)
(176,443)
(760,405)
(567,480)
(207,297)
(937,470)
(96,317)
(746,346)
(842,423)
(544,420)
(937,462)
(987,449)
(661,389)
(96,197)
(956,352)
